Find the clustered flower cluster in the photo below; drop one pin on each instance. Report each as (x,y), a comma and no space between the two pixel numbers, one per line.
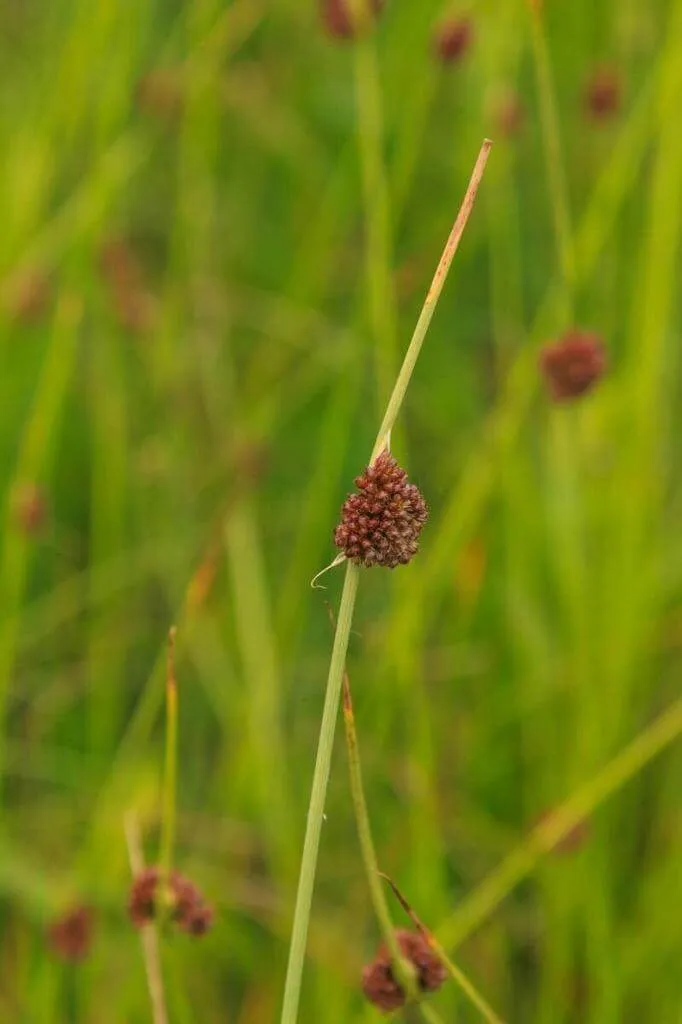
(186,905)
(379,983)
(381,524)
(572,365)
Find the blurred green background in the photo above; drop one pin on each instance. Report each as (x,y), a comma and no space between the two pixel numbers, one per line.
(218,225)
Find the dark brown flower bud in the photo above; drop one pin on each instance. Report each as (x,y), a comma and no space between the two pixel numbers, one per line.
(343,20)
(573,365)
(452,40)
(186,905)
(379,984)
(70,936)
(603,94)
(381,524)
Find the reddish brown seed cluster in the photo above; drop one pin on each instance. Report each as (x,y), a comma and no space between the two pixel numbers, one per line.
(573,365)
(452,40)
(186,905)
(70,936)
(379,984)
(603,94)
(381,524)
(343,20)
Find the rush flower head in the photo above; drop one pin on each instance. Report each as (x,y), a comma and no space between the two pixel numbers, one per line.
(345,19)
(186,905)
(70,936)
(453,39)
(572,365)
(380,525)
(379,984)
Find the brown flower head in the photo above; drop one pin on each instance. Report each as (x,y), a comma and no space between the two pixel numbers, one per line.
(379,984)
(187,907)
(573,365)
(70,936)
(381,524)
(603,94)
(342,19)
(452,40)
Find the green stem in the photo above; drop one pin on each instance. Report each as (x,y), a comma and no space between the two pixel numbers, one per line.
(292,986)
(376,202)
(405,975)
(469,989)
(549,121)
(171,765)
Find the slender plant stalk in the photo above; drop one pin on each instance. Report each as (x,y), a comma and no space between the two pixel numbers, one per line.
(292,985)
(148,933)
(545,836)
(549,121)
(304,896)
(376,200)
(171,764)
(403,969)
(458,976)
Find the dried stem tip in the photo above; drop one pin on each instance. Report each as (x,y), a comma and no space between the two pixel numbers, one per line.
(379,984)
(188,909)
(381,524)
(346,19)
(573,365)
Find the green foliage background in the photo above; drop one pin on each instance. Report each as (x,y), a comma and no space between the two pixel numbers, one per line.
(208,280)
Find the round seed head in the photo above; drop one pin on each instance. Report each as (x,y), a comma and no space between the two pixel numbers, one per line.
(381,523)
(379,984)
(572,365)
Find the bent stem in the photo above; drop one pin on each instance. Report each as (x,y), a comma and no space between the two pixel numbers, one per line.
(404,971)
(311,843)
(457,975)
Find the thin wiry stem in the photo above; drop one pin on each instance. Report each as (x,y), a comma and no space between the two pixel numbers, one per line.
(549,122)
(171,764)
(148,933)
(292,984)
